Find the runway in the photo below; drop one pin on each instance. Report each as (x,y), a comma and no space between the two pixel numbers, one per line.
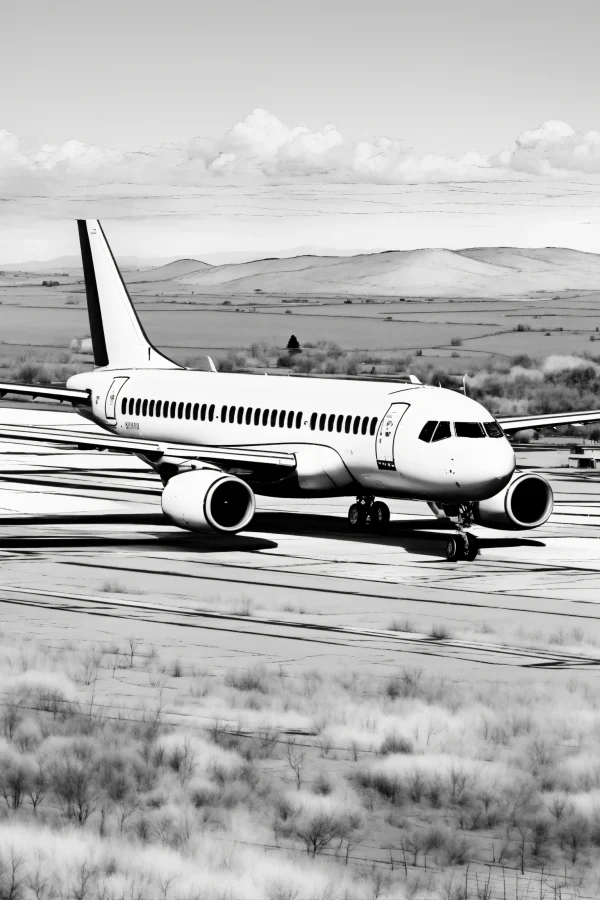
(86,556)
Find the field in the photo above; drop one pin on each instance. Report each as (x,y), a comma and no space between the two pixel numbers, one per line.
(186,323)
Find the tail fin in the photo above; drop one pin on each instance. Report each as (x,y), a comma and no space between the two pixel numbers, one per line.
(118,339)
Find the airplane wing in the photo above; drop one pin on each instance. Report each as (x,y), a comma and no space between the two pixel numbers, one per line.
(511,424)
(77,398)
(224,457)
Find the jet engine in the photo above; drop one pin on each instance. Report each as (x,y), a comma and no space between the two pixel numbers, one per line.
(526,502)
(208,500)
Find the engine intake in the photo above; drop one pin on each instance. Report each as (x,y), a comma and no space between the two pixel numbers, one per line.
(207,500)
(526,502)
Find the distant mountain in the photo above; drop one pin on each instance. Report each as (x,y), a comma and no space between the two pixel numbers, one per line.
(476,272)
(173,270)
(68,263)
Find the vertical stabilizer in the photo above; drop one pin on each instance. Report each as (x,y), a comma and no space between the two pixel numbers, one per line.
(118,339)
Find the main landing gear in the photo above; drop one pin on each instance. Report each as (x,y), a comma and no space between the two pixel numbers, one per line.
(368,513)
(464,545)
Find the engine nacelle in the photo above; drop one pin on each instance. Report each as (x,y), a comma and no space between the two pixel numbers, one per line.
(208,500)
(526,502)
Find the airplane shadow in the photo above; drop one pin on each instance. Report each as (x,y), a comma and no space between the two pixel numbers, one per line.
(424,537)
(175,541)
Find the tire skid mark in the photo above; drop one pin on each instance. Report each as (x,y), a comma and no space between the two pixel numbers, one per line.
(415,643)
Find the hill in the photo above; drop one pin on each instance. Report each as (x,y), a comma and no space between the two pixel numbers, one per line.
(172,270)
(477,272)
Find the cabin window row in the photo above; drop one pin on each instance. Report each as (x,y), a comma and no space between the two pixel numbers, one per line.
(248,415)
(168,409)
(347,424)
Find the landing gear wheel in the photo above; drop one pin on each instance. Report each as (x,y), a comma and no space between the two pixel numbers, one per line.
(357,517)
(471,548)
(453,550)
(379,516)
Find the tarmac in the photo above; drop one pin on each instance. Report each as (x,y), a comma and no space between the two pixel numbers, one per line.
(87,557)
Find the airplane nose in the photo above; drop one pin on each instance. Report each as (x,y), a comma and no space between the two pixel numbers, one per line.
(485,470)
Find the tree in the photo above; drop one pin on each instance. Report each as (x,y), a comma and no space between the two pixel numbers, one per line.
(293,345)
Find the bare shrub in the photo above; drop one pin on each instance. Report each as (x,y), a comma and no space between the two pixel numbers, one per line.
(73,780)
(248,680)
(440,632)
(395,743)
(406,685)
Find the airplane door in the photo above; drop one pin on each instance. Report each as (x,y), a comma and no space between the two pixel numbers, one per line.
(384,442)
(111,397)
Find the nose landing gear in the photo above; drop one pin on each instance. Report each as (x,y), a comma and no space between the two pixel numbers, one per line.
(464,545)
(368,512)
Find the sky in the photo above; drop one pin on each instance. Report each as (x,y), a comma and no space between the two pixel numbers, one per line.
(142,112)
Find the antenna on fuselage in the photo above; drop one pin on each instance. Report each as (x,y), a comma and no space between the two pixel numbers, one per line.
(211,364)
(465,383)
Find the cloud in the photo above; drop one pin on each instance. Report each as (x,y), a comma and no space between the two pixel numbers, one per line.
(263,149)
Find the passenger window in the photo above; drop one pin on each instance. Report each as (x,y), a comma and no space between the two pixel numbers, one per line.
(188,410)
(144,407)
(151,408)
(322,419)
(290,421)
(442,432)
(211,412)
(249,416)
(493,429)
(365,425)
(299,420)
(273,418)
(313,421)
(427,431)
(340,423)
(282,415)
(158,406)
(223,414)
(138,406)
(469,429)
(265,420)
(173,409)
(131,403)
(240,415)
(123,406)
(356,424)
(195,412)
(203,412)
(257,416)
(331,422)
(231,414)
(180,411)
(348,424)
(373,425)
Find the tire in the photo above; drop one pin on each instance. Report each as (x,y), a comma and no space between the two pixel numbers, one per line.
(453,549)
(357,517)
(379,516)
(471,551)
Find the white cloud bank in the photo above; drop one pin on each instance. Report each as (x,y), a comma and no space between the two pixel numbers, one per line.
(263,149)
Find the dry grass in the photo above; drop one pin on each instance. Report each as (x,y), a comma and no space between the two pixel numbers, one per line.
(260,783)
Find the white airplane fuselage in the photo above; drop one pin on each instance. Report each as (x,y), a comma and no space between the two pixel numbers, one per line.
(348,436)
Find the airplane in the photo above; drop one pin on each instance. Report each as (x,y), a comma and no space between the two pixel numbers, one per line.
(218,439)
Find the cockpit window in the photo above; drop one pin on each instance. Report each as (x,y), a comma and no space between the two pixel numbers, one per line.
(493,429)
(442,432)
(427,431)
(469,429)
